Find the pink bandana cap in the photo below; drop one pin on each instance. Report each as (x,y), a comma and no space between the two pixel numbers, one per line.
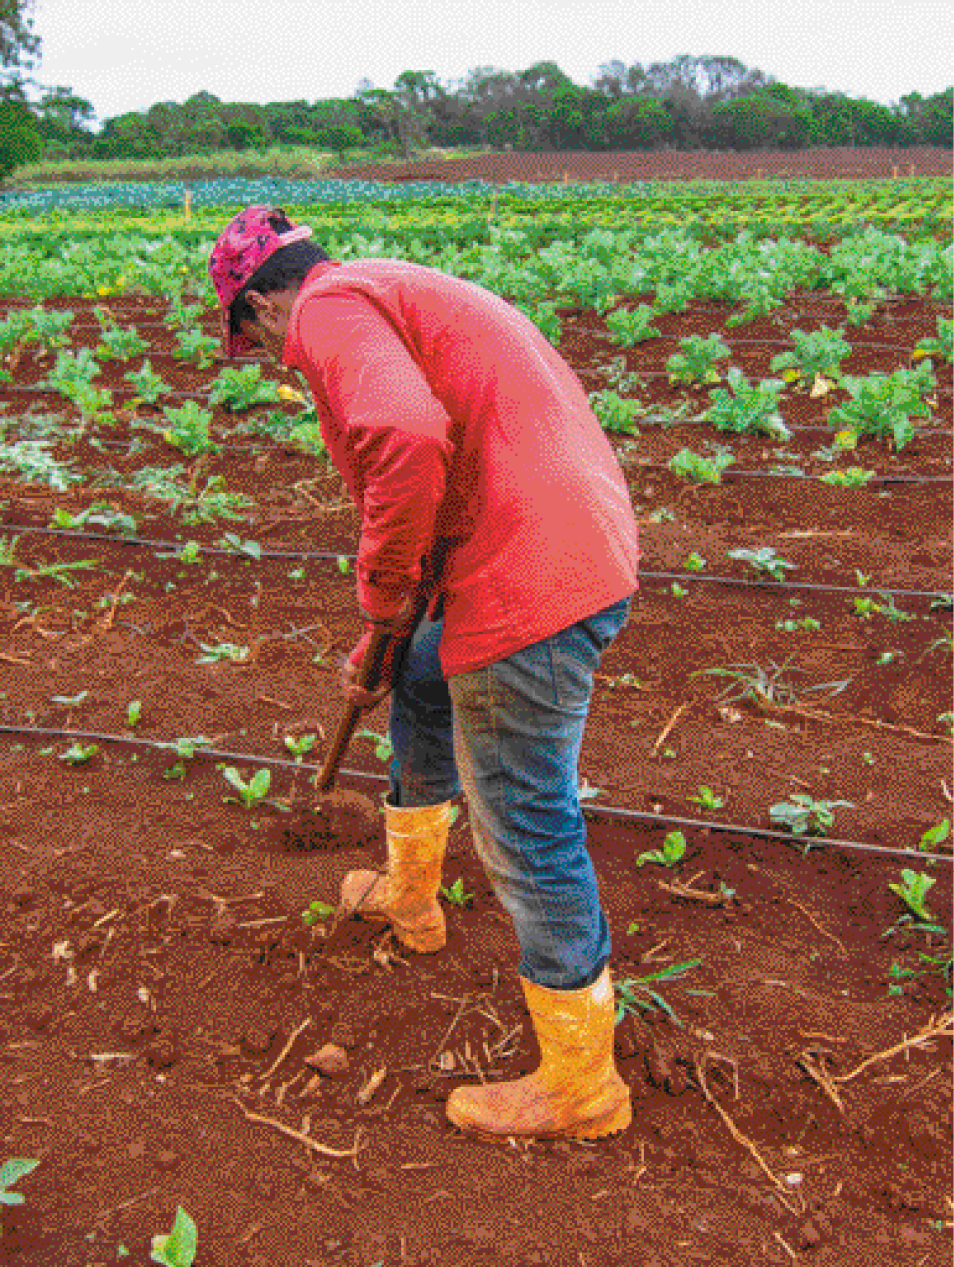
(243,246)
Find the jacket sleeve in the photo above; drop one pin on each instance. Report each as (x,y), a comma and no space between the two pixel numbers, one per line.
(396,439)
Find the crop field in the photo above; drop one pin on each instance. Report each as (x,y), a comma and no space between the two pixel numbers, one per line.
(766,773)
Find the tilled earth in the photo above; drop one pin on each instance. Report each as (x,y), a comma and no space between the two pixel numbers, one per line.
(164,1005)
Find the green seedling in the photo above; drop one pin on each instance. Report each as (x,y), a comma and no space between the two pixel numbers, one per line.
(14,1168)
(176,771)
(8,547)
(133,713)
(382,745)
(942,346)
(694,563)
(79,755)
(240,389)
(176,1248)
(862,578)
(946,642)
(628,328)
(674,846)
(189,431)
(695,364)
(214,653)
(121,345)
(192,345)
(707,798)
(748,408)
(150,386)
(344,564)
(60,572)
(629,1000)
(853,477)
(99,515)
(70,701)
(701,470)
(299,748)
(456,894)
(868,758)
(316,911)
(587,792)
(817,356)
(250,793)
(235,542)
(678,591)
(190,552)
(935,835)
(763,688)
(791,626)
(912,891)
(805,816)
(35,463)
(615,413)
(764,560)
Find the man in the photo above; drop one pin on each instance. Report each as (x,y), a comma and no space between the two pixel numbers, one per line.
(487,487)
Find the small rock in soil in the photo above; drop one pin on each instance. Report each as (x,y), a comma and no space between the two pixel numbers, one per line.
(222,926)
(808,1235)
(343,1035)
(166,1160)
(259,1037)
(39,1015)
(329,1060)
(162,1052)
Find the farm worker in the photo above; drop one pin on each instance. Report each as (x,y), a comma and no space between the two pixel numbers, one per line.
(487,486)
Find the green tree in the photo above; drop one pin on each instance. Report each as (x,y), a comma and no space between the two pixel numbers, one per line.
(19,139)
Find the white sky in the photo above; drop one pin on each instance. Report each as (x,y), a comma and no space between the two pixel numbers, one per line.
(122,55)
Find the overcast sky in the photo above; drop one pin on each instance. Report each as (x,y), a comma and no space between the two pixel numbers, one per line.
(122,55)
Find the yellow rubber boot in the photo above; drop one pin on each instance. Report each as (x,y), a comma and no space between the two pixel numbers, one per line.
(576,1091)
(406,894)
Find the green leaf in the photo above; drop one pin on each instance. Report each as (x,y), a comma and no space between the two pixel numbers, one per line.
(934,835)
(14,1168)
(261,781)
(177,1249)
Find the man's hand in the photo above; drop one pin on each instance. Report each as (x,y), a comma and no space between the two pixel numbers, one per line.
(400,627)
(353,693)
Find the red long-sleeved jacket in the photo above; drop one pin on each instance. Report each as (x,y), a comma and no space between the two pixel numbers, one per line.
(449,415)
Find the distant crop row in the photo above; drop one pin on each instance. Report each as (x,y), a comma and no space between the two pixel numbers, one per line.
(590,267)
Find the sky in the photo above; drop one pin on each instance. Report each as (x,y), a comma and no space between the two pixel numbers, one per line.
(123,55)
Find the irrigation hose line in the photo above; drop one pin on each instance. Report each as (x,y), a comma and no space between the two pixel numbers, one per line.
(178,546)
(611,811)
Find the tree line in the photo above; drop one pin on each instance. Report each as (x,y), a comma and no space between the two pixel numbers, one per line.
(689,103)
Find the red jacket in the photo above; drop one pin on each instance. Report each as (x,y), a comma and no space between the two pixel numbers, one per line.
(448,415)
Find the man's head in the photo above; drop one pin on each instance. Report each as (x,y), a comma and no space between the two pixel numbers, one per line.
(257,266)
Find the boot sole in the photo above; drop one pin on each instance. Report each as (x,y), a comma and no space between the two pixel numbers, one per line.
(422,943)
(612,1123)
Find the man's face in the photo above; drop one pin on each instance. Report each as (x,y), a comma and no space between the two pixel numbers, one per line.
(272,313)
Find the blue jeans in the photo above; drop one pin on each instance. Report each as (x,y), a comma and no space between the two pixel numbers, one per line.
(510,735)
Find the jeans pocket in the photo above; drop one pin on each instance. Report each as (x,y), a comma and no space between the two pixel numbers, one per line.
(603,628)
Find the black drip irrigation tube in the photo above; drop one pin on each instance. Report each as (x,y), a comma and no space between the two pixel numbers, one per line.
(328,556)
(610,811)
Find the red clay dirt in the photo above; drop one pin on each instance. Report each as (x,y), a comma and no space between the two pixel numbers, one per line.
(843,162)
(162,997)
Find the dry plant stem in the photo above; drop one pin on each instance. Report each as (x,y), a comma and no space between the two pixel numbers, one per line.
(808,915)
(669,725)
(862,721)
(737,1134)
(111,614)
(694,895)
(286,1049)
(818,1075)
(934,1029)
(293,1134)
